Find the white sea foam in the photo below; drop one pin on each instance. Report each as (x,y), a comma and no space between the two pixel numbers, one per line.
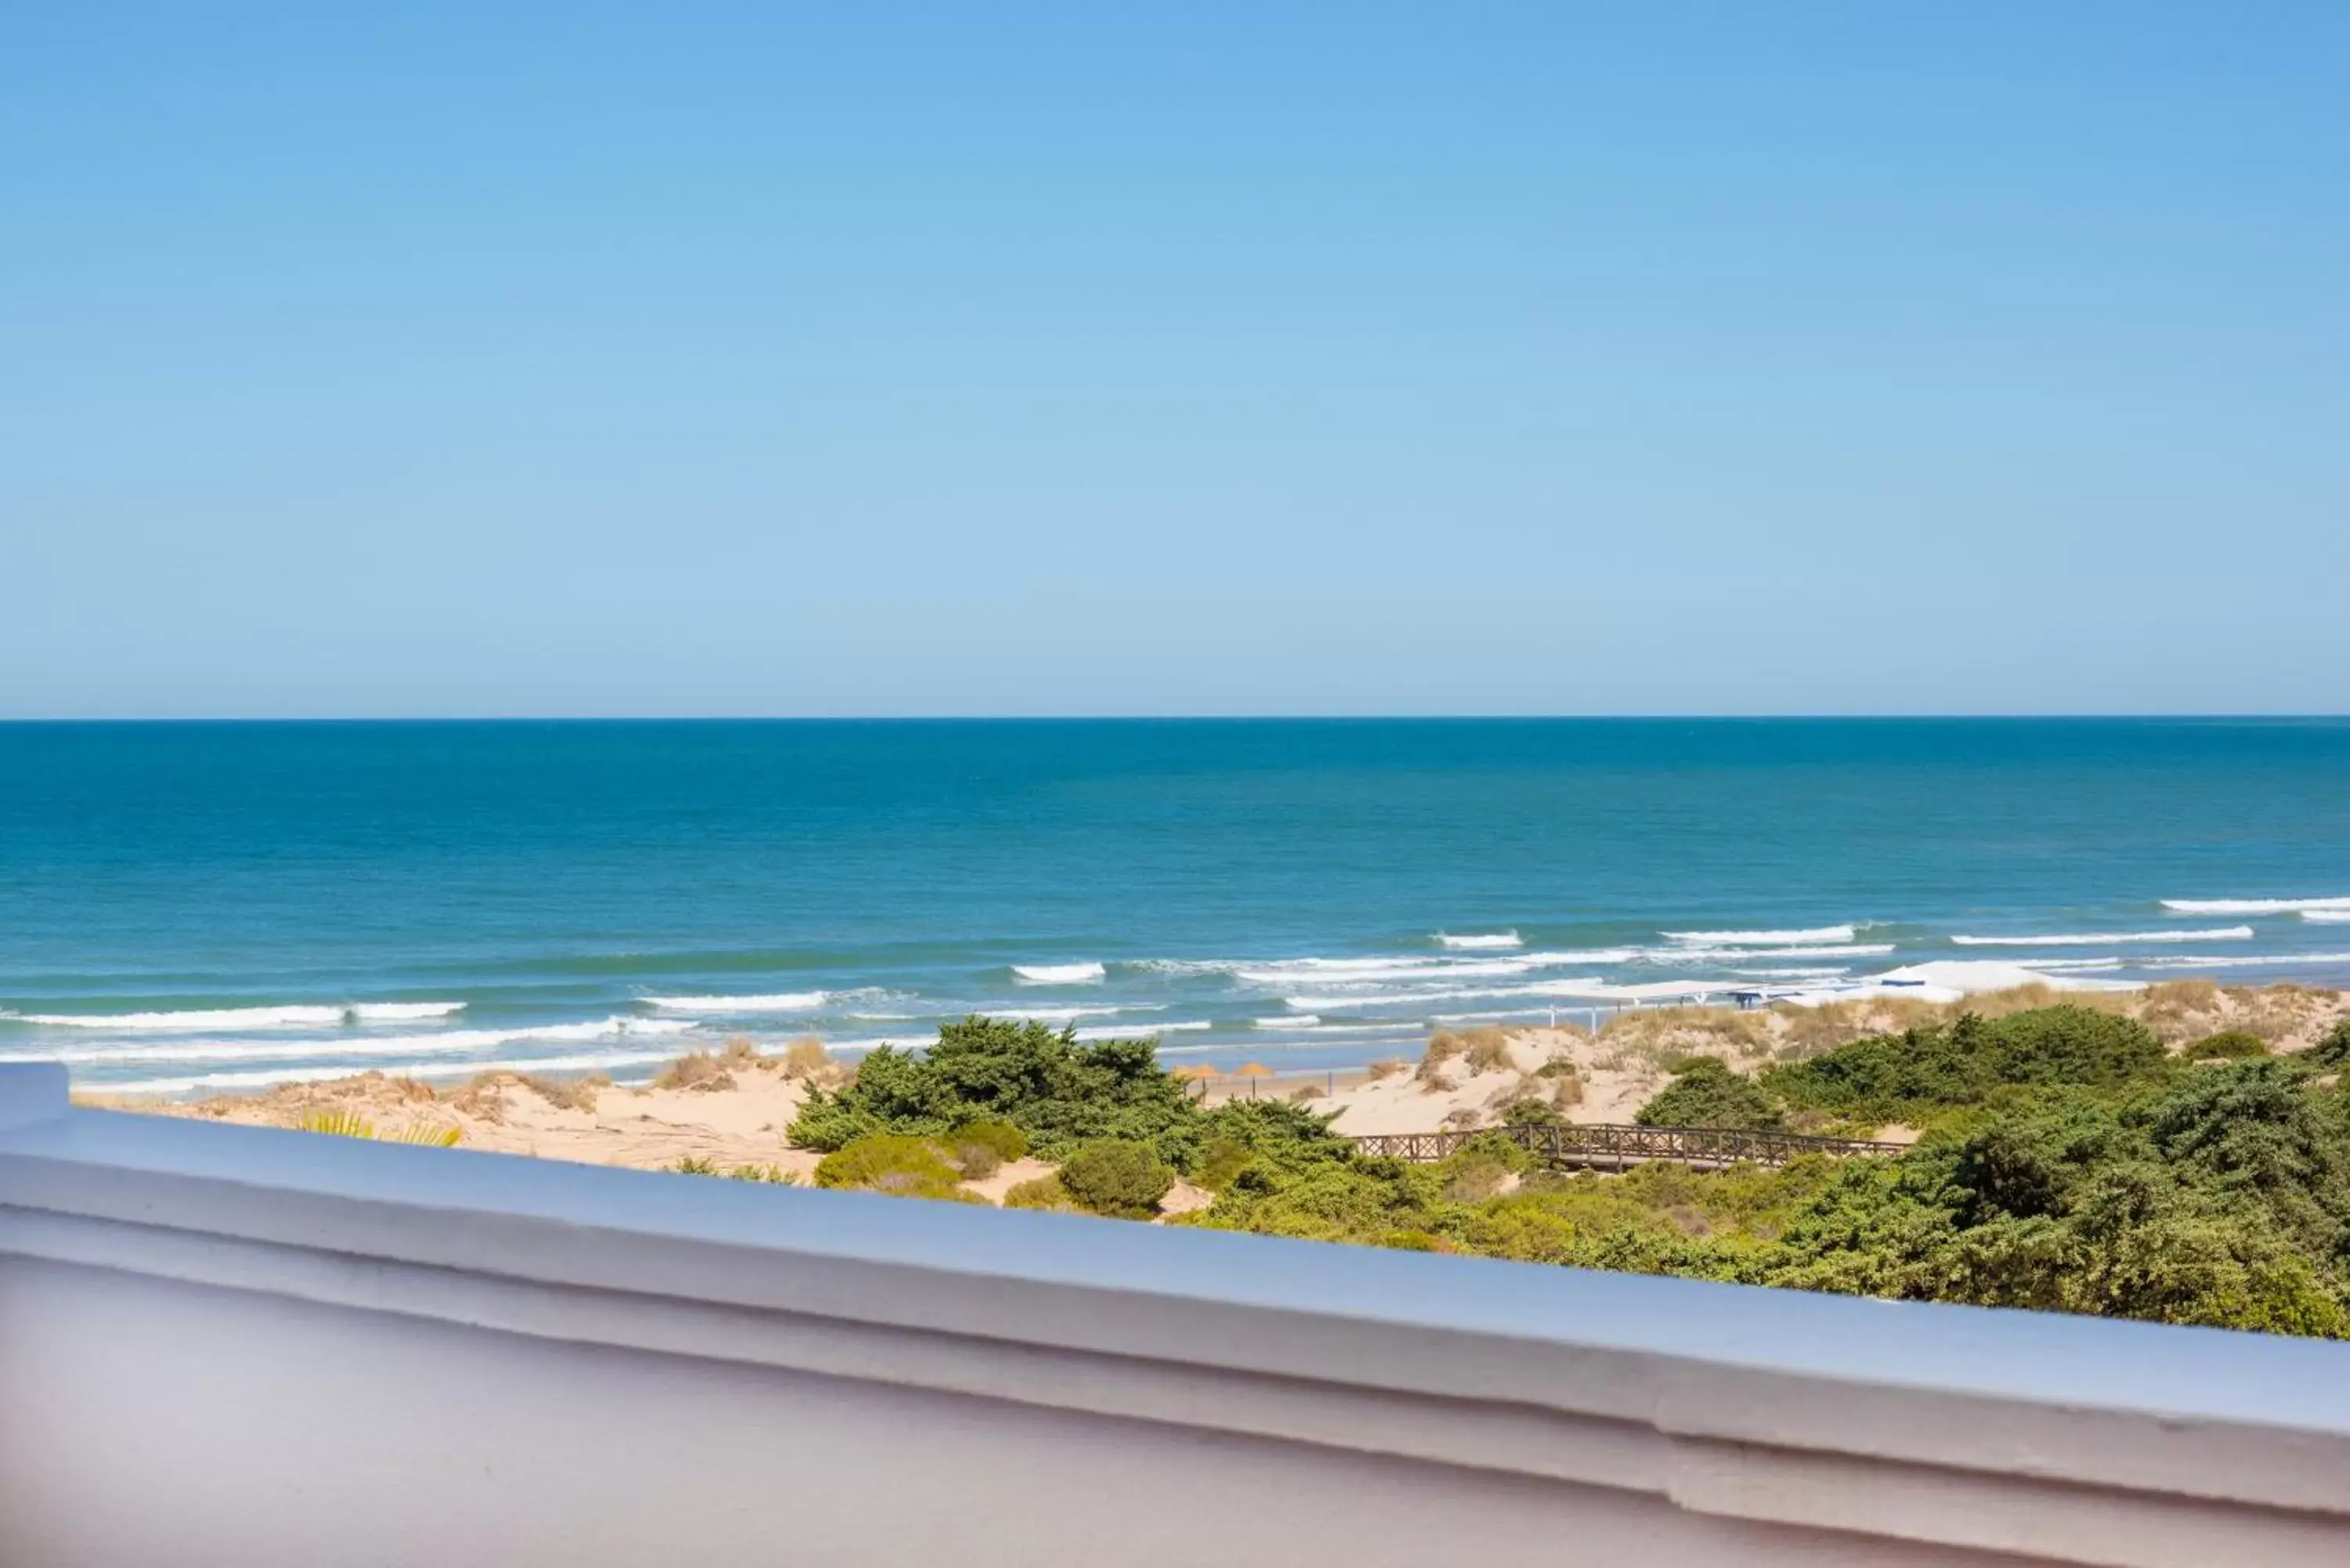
(2253,905)
(1808,937)
(1142,1032)
(1373,971)
(304,1017)
(1579,956)
(1478,940)
(1398,966)
(1047,1014)
(778,1001)
(1058,973)
(248,1080)
(1822,971)
(604,1028)
(1420,998)
(1741,955)
(1964,977)
(2101,939)
(2243,960)
(2327,917)
(454,1042)
(1351,972)
(1490,1013)
(1302,1020)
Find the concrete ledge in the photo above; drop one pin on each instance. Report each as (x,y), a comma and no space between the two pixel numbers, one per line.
(1914,1429)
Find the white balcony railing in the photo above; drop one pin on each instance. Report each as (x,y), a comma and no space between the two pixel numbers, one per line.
(224,1345)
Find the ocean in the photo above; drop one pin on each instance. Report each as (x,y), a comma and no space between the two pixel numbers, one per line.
(192,908)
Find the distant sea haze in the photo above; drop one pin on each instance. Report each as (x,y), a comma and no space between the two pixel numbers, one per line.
(198,907)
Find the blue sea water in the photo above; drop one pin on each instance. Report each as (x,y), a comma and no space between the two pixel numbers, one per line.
(188,907)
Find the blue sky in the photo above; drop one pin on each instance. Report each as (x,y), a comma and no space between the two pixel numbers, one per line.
(894,359)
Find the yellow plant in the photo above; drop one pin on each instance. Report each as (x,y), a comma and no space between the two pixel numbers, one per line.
(339,1122)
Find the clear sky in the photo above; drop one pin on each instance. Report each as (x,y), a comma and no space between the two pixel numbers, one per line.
(1100,359)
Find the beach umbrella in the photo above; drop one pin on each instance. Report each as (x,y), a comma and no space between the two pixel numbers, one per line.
(1198,1073)
(1252,1070)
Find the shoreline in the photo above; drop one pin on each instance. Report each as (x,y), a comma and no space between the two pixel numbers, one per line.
(729,1111)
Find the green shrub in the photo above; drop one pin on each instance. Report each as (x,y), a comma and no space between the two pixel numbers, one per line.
(1220,1161)
(1705,1093)
(1046,1192)
(1919,1073)
(2333,1050)
(1471,1178)
(979,1149)
(2071,1045)
(1481,1167)
(1119,1177)
(2229,1045)
(1531,1114)
(1058,1092)
(1278,1134)
(887,1162)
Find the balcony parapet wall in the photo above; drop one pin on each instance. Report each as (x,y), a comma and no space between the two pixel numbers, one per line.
(215,1340)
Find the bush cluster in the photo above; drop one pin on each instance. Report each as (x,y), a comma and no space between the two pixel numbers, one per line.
(900,1166)
(2066,1162)
(1918,1074)
(1059,1093)
(1117,1176)
(979,1149)
(1705,1093)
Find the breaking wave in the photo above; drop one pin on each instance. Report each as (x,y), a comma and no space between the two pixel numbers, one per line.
(2251,906)
(779,1001)
(250,1017)
(1058,973)
(1804,938)
(1478,940)
(455,1042)
(1740,955)
(1131,1032)
(603,1063)
(1047,1014)
(2244,960)
(2099,939)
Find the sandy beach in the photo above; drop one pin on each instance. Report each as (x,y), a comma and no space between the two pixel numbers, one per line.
(728,1112)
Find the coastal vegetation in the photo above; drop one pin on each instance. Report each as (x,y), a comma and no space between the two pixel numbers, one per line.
(1058,1092)
(339,1122)
(2067,1159)
(2180,1153)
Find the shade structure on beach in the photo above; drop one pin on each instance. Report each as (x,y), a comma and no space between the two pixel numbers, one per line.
(1195,1070)
(1252,1070)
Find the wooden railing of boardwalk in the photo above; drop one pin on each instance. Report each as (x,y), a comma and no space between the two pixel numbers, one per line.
(1612,1147)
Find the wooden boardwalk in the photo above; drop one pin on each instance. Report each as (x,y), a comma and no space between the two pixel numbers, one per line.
(1613,1147)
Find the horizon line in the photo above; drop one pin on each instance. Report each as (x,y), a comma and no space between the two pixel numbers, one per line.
(1954,715)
